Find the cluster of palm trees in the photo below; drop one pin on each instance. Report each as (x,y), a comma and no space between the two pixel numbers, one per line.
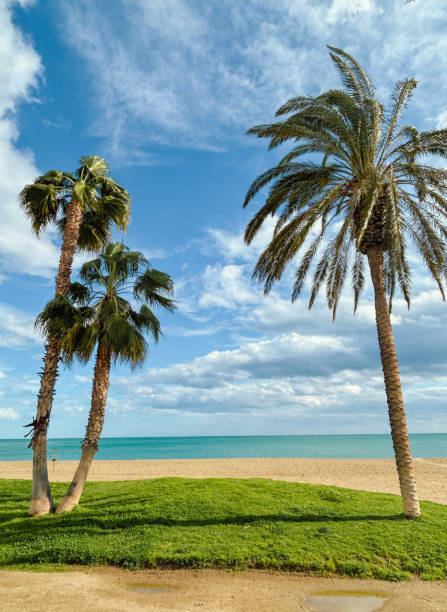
(95,313)
(356,188)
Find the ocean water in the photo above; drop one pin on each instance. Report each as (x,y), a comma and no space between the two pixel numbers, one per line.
(373,446)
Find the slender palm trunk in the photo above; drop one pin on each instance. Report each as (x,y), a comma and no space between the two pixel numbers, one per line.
(41,500)
(93,432)
(396,410)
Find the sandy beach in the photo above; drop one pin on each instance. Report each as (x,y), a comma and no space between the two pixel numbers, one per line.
(364,474)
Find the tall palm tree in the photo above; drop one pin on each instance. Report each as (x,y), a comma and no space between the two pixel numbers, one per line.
(84,205)
(361,193)
(97,314)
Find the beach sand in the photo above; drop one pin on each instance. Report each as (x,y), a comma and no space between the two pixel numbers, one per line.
(364,474)
(102,589)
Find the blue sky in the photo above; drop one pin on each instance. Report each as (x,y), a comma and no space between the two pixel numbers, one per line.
(165,91)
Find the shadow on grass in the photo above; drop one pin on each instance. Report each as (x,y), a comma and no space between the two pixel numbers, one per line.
(92,525)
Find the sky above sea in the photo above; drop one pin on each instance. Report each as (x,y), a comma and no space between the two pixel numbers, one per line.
(165,91)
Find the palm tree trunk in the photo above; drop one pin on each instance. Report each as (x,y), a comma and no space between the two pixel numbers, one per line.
(41,500)
(93,432)
(396,410)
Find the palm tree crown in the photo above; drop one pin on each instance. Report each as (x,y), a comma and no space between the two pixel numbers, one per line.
(99,311)
(367,183)
(102,200)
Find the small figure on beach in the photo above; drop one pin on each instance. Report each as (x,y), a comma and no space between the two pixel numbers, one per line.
(54,457)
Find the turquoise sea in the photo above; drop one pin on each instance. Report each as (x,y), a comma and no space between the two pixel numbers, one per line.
(373,446)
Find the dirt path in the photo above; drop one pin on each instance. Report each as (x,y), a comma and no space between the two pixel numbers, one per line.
(365,474)
(109,589)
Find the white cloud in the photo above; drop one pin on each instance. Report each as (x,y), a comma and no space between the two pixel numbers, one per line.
(231,246)
(189,76)
(442,119)
(268,357)
(299,368)
(268,380)
(61,124)
(20,65)
(310,357)
(189,332)
(229,285)
(316,382)
(82,379)
(155,253)
(74,408)
(8,414)
(16,328)
(341,10)
(20,69)
(226,287)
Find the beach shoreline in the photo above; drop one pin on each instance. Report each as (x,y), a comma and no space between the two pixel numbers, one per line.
(363,474)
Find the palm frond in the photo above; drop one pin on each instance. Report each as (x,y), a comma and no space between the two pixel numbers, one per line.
(99,313)
(366,172)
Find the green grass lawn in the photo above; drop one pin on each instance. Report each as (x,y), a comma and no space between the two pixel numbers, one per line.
(228,523)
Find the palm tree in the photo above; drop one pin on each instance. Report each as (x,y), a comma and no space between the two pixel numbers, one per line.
(97,314)
(84,205)
(364,193)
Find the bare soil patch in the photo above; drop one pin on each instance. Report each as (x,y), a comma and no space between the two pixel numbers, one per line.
(208,590)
